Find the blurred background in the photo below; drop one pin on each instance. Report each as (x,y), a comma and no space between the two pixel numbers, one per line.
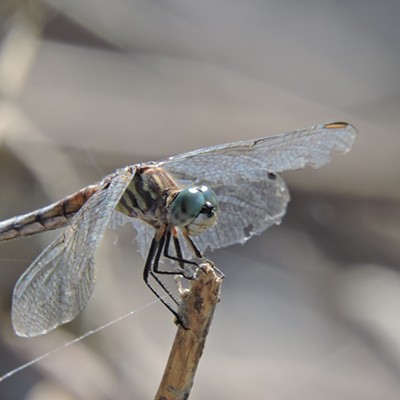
(309,310)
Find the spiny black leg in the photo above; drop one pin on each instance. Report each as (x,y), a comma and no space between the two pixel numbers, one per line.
(156,264)
(152,268)
(149,260)
(153,271)
(199,255)
(152,260)
(178,251)
(193,246)
(179,257)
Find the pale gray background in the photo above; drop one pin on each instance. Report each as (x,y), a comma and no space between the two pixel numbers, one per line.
(309,310)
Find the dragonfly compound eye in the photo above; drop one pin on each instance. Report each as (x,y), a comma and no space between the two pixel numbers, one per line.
(194,208)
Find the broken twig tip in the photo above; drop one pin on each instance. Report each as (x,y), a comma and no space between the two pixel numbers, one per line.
(196,311)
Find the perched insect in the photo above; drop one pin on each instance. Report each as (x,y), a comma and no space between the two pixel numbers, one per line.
(220,195)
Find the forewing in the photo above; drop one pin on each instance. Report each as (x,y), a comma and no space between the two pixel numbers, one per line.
(58,284)
(224,164)
(251,199)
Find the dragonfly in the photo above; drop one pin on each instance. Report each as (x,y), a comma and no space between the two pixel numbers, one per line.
(181,206)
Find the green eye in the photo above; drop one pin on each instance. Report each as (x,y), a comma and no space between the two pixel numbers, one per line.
(186,206)
(209,196)
(194,207)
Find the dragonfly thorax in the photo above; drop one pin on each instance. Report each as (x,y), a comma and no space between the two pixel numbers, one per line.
(195,209)
(148,195)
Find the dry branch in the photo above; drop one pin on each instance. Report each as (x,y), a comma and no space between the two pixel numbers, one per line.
(198,307)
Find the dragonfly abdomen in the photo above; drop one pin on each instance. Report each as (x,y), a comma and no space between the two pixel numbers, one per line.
(54,216)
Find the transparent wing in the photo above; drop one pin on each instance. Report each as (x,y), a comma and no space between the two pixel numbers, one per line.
(58,284)
(224,164)
(247,209)
(144,232)
(251,200)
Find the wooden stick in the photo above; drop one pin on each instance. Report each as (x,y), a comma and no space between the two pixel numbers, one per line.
(198,305)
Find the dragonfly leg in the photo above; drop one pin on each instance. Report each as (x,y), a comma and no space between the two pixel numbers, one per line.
(179,257)
(194,248)
(166,244)
(199,255)
(160,246)
(178,252)
(150,270)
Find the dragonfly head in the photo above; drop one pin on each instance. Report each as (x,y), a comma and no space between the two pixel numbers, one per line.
(194,208)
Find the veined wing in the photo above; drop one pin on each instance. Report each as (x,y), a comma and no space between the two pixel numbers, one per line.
(58,284)
(247,209)
(251,199)
(224,164)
